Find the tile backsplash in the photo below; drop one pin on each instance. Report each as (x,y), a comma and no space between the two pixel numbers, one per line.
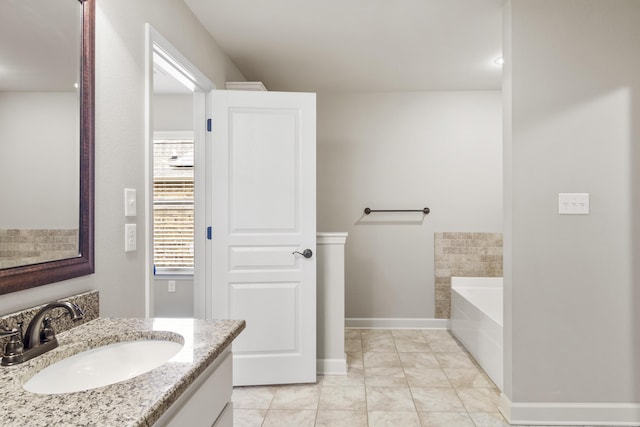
(464,255)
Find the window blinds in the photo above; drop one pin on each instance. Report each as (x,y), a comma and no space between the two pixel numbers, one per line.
(173,204)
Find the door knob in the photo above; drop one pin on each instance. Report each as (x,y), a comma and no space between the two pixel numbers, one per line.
(307,253)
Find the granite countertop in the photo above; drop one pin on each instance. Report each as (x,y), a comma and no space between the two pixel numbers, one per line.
(139,401)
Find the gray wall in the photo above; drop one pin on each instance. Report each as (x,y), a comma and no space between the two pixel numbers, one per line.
(442,150)
(120,68)
(39,165)
(173,304)
(573,282)
(173,112)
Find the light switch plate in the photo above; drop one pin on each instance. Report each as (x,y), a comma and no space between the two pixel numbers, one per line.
(130,237)
(130,202)
(573,203)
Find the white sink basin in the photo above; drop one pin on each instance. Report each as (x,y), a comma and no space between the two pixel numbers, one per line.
(102,366)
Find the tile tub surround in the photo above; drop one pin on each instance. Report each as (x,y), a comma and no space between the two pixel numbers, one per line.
(89,303)
(139,401)
(465,255)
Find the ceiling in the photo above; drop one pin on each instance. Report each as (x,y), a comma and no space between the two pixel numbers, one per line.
(359,45)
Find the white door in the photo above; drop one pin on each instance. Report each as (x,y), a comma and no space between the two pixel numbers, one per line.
(263,210)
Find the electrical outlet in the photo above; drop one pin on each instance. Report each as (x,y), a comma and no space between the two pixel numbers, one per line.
(573,203)
(171,286)
(130,237)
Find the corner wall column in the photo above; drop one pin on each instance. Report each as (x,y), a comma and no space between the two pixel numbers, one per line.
(331,358)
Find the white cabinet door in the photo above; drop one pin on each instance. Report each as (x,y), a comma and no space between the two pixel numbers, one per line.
(263,207)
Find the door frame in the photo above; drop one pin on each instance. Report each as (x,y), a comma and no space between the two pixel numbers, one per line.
(176,64)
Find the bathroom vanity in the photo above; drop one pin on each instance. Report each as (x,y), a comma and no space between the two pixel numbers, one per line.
(191,388)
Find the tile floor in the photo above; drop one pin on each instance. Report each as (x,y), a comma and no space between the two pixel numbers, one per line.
(399,378)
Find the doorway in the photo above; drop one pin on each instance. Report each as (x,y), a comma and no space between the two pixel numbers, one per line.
(177,99)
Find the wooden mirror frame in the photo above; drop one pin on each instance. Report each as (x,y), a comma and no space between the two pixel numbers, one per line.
(29,276)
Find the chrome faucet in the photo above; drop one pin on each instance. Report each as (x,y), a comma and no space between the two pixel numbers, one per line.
(38,339)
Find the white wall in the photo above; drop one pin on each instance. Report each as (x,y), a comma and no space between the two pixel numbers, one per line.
(441,150)
(120,76)
(573,81)
(39,165)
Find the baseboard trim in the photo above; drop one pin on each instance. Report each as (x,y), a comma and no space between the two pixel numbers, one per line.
(395,323)
(332,366)
(558,414)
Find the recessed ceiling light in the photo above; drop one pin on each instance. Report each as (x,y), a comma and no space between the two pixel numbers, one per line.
(499,61)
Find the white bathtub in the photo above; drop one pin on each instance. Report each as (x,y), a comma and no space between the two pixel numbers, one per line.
(476,321)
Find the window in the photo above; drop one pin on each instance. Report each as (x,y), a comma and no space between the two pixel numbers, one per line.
(173,204)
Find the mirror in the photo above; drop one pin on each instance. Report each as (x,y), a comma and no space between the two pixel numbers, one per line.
(47,166)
